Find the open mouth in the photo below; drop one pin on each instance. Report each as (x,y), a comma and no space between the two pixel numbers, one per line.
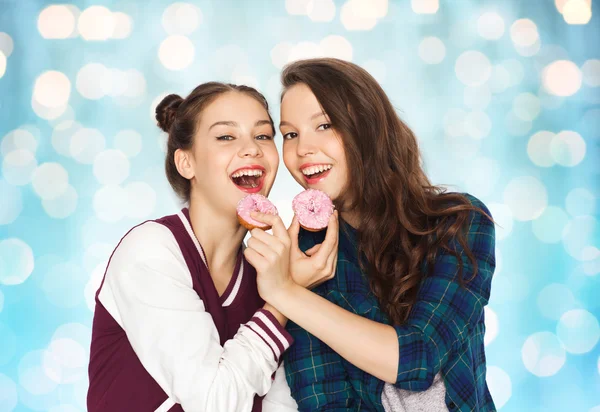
(249,180)
(313,174)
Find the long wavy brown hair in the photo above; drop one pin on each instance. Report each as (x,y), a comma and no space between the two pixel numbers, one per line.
(405,221)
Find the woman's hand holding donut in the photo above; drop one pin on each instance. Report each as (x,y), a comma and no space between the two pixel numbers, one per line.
(270,256)
(318,264)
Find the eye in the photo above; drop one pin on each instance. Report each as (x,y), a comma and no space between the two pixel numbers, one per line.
(225,137)
(290,136)
(324,126)
(264,137)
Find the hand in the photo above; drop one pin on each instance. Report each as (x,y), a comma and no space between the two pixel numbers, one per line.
(320,261)
(270,256)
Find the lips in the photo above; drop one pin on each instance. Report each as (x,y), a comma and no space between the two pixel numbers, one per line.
(249,183)
(312,179)
(317,179)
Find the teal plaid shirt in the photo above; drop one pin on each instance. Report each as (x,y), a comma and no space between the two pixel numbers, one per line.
(444,332)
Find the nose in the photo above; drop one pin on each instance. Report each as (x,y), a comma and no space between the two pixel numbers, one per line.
(306,146)
(250,149)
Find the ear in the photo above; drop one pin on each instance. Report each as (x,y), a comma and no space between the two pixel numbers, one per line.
(184,163)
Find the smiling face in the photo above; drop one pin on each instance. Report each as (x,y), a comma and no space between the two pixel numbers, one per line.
(312,151)
(233,153)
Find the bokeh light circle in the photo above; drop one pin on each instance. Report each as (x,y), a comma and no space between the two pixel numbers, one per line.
(527,197)
(473,68)
(86,144)
(579,235)
(56,22)
(578,330)
(52,89)
(18,139)
(32,376)
(50,180)
(12,203)
(96,23)
(549,226)
(432,50)
(111,167)
(176,52)
(562,78)
(141,200)
(538,148)
(490,26)
(181,18)
(111,203)
(62,206)
(16,261)
(543,354)
(500,385)
(503,217)
(491,325)
(568,148)
(591,72)
(129,142)
(527,106)
(18,167)
(554,300)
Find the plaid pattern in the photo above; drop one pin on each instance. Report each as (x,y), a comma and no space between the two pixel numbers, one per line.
(444,332)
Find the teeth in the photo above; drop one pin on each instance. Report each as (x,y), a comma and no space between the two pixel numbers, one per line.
(311,170)
(248,172)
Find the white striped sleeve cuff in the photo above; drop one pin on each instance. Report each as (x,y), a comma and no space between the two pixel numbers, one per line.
(264,324)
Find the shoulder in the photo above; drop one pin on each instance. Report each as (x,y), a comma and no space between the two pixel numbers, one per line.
(477,203)
(478,228)
(480,220)
(147,238)
(149,241)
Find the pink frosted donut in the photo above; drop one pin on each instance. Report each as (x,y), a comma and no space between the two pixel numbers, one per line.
(254,203)
(313,208)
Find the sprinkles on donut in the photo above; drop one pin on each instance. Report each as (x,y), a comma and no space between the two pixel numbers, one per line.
(254,203)
(313,208)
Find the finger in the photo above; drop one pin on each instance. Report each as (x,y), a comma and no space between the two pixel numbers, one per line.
(275,222)
(313,250)
(261,247)
(254,258)
(274,243)
(293,232)
(331,238)
(332,263)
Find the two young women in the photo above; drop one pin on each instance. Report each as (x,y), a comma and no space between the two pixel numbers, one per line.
(186,319)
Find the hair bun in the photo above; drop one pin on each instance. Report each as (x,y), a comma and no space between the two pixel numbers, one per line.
(167,110)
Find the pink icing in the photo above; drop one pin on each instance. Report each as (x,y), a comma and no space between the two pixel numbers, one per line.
(313,209)
(255,203)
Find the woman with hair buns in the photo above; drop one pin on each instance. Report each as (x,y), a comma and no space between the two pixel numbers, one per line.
(179,323)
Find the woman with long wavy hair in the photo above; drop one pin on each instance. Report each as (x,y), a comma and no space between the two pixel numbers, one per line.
(400,326)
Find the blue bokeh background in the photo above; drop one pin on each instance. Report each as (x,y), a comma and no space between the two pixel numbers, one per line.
(504,97)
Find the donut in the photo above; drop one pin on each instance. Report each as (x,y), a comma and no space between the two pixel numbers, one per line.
(254,203)
(313,208)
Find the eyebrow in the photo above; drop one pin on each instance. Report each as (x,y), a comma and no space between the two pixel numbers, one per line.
(313,117)
(236,124)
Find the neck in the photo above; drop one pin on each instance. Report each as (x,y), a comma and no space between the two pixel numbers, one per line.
(351,218)
(219,234)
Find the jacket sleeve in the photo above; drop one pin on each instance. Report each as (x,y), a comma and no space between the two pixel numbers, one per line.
(148,290)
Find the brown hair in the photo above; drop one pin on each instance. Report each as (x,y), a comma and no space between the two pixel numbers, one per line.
(404,219)
(179,117)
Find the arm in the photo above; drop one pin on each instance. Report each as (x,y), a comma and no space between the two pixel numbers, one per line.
(279,397)
(410,355)
(316,375)
(148,290)
(373,347)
